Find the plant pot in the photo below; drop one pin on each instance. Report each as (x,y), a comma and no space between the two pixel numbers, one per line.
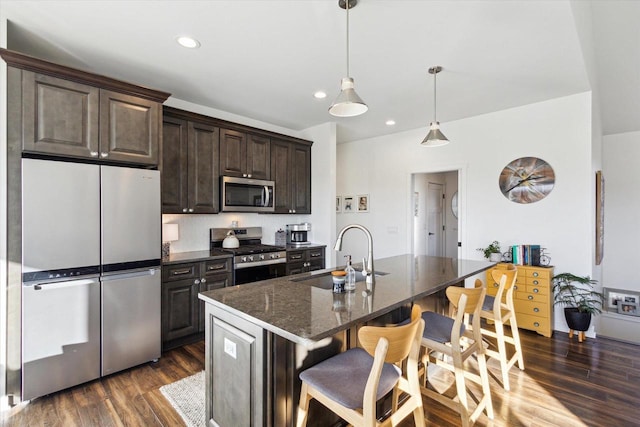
(576,320)
(495,257)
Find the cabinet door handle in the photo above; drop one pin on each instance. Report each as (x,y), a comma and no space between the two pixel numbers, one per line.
(315,255)
(248,175)
(495,285)
(184,210)
(93,153)
(296,256)
(244,175)
(190,209)
(104,155)
(181,272)
(203,280)
(196,282)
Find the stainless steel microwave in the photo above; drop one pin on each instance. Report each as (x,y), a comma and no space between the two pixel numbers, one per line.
(246,195)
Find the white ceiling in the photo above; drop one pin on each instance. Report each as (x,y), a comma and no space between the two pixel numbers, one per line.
(264,59)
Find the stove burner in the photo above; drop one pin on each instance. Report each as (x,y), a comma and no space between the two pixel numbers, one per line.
(252,252)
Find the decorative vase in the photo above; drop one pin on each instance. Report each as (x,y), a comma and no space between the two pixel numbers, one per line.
(495,257)
(576,320)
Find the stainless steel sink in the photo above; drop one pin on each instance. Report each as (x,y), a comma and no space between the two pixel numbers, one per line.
(324,280)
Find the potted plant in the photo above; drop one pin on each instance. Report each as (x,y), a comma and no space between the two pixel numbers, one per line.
(579,299)
(492,252)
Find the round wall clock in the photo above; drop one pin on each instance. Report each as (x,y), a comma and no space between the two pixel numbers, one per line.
(527,180)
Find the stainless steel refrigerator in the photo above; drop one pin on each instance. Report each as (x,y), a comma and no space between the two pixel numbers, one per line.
(91,272)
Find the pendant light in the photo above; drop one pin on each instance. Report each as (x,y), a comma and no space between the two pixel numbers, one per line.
(348,103)
(434,138)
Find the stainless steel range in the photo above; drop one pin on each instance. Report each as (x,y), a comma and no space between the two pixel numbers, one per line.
(253,260)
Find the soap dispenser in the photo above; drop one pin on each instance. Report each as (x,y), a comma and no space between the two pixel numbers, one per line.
(350,283)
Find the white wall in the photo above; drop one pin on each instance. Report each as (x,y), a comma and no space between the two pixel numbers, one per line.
(194,229)
(621,160)
(558,131)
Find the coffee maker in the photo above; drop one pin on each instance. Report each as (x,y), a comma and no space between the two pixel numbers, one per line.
(297,234)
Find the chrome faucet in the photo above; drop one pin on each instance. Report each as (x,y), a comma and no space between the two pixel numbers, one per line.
(367,265)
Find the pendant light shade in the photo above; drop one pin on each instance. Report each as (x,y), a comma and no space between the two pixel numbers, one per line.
(435,137)
(348,103)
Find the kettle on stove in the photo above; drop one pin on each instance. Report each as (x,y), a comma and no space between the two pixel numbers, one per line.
(231,241)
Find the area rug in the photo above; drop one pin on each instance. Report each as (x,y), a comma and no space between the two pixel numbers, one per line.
(187,396)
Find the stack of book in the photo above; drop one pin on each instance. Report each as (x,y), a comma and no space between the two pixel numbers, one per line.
(525,254)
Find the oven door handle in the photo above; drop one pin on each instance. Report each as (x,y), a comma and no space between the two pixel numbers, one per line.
(265,196)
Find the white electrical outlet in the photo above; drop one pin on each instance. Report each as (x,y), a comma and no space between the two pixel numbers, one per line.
(230,347)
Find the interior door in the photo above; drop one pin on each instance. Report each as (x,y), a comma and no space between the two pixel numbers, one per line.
(434,208)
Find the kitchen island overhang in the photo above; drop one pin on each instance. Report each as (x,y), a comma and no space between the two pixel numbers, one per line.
(260,336)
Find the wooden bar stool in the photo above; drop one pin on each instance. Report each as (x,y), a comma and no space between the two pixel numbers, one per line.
(500,310)
(450,338)
(351,383)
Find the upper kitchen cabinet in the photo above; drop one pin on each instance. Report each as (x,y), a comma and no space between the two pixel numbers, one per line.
(189,165)
(244,155)
(67,112)
(291,171)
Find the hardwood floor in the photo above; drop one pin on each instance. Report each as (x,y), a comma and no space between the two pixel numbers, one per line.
(128,398)
(565,383)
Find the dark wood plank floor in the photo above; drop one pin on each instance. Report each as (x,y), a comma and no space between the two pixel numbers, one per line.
(565,383)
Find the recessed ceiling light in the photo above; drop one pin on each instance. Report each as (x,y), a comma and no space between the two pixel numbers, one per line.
(390,122)
(189,42)
(320,95)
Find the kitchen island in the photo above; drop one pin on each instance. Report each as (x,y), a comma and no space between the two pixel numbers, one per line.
(260,336)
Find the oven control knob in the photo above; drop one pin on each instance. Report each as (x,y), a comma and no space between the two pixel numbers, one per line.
(261,257)
(250,257)
(244,259)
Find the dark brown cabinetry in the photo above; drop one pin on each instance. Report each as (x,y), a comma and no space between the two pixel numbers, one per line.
(304,260)
(182,311)
(189,166)
(291,171)
(244,155)
(70,119)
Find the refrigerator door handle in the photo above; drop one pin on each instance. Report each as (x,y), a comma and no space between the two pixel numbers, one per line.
(128,273)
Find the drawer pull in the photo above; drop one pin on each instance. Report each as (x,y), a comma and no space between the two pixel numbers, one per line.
(315,255)
(536,324)
(535,274)
(181,272)
(530,297)
(216,267)
(515,287)
(536,309)
(535,282)
(536,290)
(495,285)
(296,256)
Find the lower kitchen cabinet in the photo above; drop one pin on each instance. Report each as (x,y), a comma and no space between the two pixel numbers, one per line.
(182,311)
(304,260)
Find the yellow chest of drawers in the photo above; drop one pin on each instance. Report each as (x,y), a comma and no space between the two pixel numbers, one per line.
(532,298)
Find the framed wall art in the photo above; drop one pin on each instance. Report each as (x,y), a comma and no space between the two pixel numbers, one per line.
(348,204)
(363,203)
(599,217)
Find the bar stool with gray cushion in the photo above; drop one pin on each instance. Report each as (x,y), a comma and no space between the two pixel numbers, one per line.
(500,309)
(448,338)
(351,383)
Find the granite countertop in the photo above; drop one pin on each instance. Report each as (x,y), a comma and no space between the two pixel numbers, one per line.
(195,256)
(294,309)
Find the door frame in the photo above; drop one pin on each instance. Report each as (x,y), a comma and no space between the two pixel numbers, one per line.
(463,251)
